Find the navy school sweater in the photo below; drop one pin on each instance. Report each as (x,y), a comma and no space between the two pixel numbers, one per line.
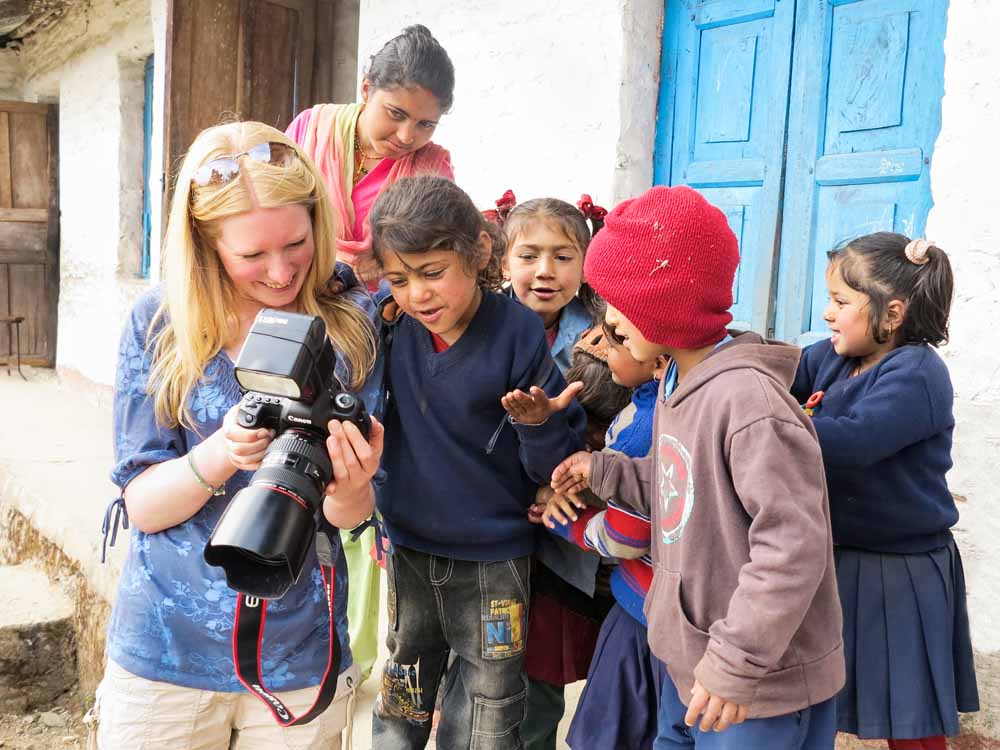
(459,475)
(886,440)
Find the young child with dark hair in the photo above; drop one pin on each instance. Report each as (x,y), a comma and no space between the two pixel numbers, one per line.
(620,701)
(603,395)
(547,243)
(743,607)
(471,431)
(881,402)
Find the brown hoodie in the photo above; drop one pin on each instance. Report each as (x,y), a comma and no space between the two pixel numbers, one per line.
(744,595)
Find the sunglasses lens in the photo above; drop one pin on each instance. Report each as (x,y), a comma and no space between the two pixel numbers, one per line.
(216,172)
(221,171)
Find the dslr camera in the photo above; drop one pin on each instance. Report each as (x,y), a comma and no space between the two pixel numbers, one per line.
(287,368)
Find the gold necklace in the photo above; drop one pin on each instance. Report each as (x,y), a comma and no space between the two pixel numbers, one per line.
(360,170)
(361,156)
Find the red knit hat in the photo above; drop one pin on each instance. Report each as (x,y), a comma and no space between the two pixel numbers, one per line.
(667,260)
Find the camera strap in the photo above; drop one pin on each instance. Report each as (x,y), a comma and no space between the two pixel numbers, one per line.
(248,638)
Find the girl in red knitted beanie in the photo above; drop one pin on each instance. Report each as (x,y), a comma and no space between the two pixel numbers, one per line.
(743,608)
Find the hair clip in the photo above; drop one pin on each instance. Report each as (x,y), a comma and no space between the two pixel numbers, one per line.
(589,210)
(505,204)
(594,343)
(916,251)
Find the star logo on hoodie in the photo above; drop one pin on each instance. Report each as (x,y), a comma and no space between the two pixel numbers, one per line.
(676,485)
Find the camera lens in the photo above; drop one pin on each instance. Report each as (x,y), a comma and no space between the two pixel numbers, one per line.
(264,535)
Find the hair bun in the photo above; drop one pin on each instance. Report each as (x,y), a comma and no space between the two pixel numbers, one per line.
(916,251)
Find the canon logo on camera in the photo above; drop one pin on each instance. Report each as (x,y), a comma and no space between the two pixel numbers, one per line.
(290,418)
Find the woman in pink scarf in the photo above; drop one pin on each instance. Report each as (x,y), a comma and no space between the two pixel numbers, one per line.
(361,148)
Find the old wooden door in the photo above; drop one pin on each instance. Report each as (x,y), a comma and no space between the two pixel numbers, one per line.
(721,126)
(808,122)
(244,59)
(865,112)
(29,227)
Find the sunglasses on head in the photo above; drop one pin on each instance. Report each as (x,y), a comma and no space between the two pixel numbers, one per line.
(226,168)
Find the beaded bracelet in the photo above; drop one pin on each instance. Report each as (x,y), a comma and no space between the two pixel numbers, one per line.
(216,491)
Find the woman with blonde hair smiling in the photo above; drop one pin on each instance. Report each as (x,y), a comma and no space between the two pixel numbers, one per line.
(250,228)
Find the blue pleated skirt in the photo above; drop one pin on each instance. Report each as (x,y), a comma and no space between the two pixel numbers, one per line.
(906,643)
(619,704)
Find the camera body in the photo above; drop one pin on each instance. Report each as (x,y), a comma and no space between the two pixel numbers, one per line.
(288,369)
(278,413)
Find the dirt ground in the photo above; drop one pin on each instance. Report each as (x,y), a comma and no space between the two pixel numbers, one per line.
(58,727)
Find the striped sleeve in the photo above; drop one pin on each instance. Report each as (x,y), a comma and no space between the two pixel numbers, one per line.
(615,532)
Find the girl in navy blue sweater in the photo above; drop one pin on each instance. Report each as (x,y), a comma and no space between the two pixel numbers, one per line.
(461,470)
(881,402)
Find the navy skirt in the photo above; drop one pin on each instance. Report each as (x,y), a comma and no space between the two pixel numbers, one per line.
(619,703)
(906,643)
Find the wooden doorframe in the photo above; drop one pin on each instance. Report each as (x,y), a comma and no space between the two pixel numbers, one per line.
(52,239)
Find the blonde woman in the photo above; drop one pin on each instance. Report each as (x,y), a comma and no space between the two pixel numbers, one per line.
(250,228)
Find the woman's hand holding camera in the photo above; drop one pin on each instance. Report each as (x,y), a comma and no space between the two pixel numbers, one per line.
(245,448)
(350,498)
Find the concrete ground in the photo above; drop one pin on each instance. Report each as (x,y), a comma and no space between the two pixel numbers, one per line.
(55,456)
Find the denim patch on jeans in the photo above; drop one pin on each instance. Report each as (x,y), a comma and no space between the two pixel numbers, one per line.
(479,610)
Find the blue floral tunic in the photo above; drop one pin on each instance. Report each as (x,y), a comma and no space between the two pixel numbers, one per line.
(173,617)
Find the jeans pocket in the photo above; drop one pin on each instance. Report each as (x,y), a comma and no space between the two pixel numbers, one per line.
(503,587)
(495,722)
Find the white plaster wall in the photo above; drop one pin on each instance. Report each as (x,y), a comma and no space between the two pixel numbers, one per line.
(94,66)
(966,223)
(551,99)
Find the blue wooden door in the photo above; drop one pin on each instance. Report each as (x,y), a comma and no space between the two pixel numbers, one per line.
(865,111)
(721,125)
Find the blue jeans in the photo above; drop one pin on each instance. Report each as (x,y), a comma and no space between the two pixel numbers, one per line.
(479,610)
(813,728)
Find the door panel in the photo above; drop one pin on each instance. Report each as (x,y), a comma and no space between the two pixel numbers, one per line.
(29,227)
(244,59)
(721,128)
(865,112)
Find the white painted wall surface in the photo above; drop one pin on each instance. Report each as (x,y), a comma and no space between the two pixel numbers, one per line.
(93,65)
(966,222)
(544,92)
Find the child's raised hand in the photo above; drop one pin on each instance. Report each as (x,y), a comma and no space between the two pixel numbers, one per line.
(561,508)
(535,406)
(716,712)
(573,474)
(537,508)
